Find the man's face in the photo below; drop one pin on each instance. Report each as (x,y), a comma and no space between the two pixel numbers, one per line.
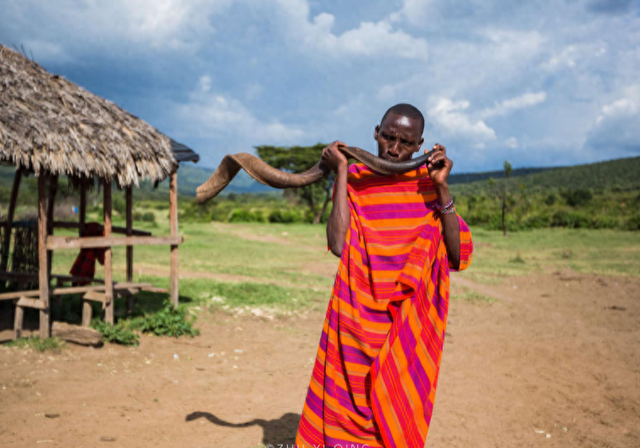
(398,137)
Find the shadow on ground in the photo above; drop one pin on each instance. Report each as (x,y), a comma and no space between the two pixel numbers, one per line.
(281,431)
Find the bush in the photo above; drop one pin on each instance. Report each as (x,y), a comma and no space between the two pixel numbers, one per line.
(120,333)
(537,222)
(170,321)
(550,199)
(242,215)
(577,198)
(289,216)
(633,223)
(572,220)
(605,222)
(119,205)
(148,217)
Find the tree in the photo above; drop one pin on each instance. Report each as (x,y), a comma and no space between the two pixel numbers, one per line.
(297,159)
(505,188)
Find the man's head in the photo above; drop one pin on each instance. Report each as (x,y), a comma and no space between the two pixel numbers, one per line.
(399,134)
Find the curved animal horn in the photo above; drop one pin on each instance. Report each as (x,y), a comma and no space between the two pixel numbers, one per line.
(273,177)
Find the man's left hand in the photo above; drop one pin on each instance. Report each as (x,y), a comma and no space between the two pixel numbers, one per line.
(439,174)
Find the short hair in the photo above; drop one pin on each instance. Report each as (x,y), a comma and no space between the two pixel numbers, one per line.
(406,110)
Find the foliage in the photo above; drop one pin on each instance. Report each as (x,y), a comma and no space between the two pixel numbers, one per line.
(169,321)
(241,215)
(579,197)
(297,159)
(41,345)
(120,333)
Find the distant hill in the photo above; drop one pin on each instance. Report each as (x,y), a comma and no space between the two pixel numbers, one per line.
(623,174)
(620,173)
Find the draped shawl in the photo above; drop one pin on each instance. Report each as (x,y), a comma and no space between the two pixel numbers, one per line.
(376,370)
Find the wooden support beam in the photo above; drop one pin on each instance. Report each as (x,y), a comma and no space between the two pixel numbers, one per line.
(17,322)
(108,268)
(43,270)
(53,191)
(129,228)
(173,221)
(31,303)
(87,312)
(114,229)
(95,296)
(6,241)
(72,242)
(71,290)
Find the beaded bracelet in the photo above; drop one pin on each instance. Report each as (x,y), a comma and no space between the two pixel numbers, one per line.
(448,211)
(441,208)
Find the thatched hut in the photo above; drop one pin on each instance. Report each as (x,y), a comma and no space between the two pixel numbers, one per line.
(51,127)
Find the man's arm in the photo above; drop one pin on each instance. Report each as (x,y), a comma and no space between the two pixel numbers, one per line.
(340,215)
(450,223)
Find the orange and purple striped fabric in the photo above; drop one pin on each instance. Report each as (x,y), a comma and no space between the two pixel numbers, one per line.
(376,371)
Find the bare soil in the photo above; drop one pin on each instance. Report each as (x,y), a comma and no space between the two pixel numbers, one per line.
(554,362)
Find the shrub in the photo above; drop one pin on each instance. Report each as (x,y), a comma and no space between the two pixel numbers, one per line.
(577,198)
(633,223)
(290,216)
(572,220)
(120,333)
(550,199)
(536,222)
(119,205)
(148,217)
(605,222)
(242,215)
(170,321)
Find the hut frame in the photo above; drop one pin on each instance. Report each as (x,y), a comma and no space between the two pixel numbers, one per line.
(86,137)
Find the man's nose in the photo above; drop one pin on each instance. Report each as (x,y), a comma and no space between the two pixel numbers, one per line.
(394,150)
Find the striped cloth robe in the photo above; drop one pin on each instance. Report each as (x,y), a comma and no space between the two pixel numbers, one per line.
(375,375)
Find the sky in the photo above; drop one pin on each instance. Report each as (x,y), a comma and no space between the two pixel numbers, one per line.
(538,83)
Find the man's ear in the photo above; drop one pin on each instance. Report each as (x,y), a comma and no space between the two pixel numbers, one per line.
(420,144)
(375,133)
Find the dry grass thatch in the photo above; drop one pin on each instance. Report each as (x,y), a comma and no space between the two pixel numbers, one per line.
(48,123)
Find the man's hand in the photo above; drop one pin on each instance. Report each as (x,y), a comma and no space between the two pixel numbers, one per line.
(333,158)
(440,175)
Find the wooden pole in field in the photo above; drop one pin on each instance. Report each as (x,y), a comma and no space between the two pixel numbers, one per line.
(6,243)
(43,272)
(173,219)
(108,273)
(53,191)
(129,207)
(87,311)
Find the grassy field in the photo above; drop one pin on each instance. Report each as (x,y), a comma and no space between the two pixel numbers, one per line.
(287,267)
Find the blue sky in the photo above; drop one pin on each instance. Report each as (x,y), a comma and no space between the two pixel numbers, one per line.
(539,83)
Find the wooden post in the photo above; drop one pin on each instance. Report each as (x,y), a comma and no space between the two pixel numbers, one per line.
(129,206)
(173,220)
(17,322)
(43,271)
(53,191)
(82,219)
(6,243)
(108,273)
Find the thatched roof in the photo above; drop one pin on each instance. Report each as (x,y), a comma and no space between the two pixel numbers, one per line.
(48,123)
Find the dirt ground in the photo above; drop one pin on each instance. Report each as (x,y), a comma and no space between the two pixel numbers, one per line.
(553,362)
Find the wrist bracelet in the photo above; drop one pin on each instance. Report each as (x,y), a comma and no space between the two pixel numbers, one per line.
(448,211)
(440,208)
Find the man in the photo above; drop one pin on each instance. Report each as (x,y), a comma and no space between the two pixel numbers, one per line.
(375,375)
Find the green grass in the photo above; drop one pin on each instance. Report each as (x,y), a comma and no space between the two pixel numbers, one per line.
(472,296)
(288,268)
(37,344)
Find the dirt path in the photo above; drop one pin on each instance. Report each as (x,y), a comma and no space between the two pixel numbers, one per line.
(554,362)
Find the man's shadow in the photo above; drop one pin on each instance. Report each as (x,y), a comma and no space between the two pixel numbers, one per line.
(280,431)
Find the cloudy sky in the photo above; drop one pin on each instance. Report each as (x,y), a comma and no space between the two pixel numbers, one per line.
(536,82)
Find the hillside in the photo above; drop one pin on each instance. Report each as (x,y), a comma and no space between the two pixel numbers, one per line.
(620,174)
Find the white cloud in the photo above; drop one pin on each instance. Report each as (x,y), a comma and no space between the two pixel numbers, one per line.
(617,125)
(511,142)
(519,102)
(204,84)
(211,115)
(449,117)
(415,12)
(367,39)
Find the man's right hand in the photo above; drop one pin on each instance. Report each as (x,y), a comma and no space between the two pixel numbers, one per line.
(333,158)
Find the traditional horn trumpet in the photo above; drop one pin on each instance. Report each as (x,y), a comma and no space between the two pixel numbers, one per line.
(273,177)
